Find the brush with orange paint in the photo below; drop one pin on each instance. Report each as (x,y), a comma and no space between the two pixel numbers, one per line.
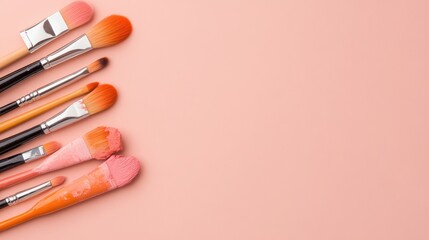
(109,31)
(116,172)
(55,85)
(31,192)
(29,155)
(70,17)
(103,97)
(99,143)
(15,121)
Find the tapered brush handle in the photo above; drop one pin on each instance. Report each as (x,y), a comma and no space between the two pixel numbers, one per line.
(12,222)
(13,56)
(11,162)
(19,75)
(8,107)
(3,204)
(19,139)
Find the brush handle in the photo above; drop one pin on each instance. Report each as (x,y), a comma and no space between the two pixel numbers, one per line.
(11,162)
(3,203)
(8,107)
(19,139)
(17,178)
(21,218)
(13,57)
(19,75)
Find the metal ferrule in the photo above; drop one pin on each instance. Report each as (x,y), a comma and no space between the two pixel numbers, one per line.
(71,50)
(45,31)
(33,154)
(53,86)
(73,113)
(28,193)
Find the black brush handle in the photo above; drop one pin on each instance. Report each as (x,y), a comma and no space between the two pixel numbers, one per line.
(19,75)
(3,204)
(8,107)
(19,139)
(11,162)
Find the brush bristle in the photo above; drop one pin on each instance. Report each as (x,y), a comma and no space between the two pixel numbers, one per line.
(97,65)
(102,142)
(91,86)
(101,98)
(109,31)
(57,181)
(51,147)
(123,169)
(77,13)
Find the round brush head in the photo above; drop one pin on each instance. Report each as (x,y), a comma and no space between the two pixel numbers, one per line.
(102,142)
(101,98)
(109,31)
(122,169)
(98,65)
(76,14)
(51,147)
(57,181)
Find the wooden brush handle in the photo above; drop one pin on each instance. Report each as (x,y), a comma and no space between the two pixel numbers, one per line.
(8,107)
(19,139)
(13,57)
(21,218)
(19,75)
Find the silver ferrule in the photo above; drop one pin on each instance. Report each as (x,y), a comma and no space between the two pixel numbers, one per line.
(33,154)
(71,50)
(43,32)
(52,87)
(73,113)
(28,193)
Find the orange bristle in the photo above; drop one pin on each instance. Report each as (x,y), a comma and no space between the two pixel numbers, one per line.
(98,65)
(109,31)
(103,97)
(103,141)
(91,86)
(51,147)
(57,181)
(76,14)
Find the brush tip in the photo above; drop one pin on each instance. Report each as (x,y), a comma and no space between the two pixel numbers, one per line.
(57,181)
(123,169)
(102,142)
(91,86)
(101,98)
(77,13)
(51,147)
(98,65)
(109,31)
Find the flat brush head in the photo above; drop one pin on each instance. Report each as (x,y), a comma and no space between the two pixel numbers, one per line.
(109,31)
(51,147)
(76,14)
(103,97)
(57,181)
(122,169)
(102,142)
(98,65)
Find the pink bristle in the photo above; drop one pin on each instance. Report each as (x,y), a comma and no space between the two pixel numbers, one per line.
(77,13)
(122,169)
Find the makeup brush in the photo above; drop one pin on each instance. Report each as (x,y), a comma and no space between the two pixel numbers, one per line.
(70,17)
(29,155)
(54,86)
(8,124)
(31,192)
(116,172)
(110,31)
(99,143)
(103,97)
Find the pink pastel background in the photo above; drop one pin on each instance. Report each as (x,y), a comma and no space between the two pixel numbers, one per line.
(253,119)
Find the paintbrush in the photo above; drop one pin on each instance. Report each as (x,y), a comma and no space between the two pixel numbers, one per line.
(55,86)
(103,97)
(8,124)
(116,172)
(99,143)
(50,28)
(31,192)
(29,155)
(109,31)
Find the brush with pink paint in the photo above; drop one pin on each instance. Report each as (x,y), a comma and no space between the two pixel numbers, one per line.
(99,143)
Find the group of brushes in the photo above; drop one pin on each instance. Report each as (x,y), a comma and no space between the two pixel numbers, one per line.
(102,143)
